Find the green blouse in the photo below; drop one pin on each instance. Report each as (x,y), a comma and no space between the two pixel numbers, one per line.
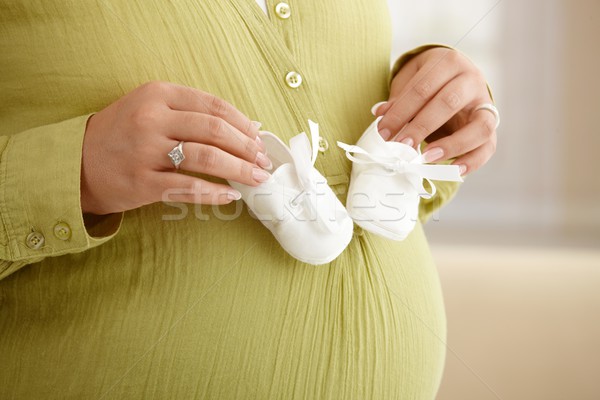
(182,301)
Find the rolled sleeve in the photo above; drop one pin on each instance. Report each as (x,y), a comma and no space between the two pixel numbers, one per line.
(40,176)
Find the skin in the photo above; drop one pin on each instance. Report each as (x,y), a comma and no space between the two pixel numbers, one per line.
(125,163)
(432,99)
(125,166)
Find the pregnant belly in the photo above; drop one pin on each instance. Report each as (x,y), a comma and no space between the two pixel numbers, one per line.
(178,310)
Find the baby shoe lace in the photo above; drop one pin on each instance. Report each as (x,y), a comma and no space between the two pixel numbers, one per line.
(304,153)
(396,165)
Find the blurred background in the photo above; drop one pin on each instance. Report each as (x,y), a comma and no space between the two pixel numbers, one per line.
(519,248)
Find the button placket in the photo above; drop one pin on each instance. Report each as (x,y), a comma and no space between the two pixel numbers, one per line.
(279,42)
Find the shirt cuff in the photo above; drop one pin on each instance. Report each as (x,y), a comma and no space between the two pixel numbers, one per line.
(40,201)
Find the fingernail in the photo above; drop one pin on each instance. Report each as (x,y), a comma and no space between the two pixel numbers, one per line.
(263,161)
(234,195)
(256,124)
(260,175)
(385,134)
(433,154)
(408,141)
(260,142)
(376,106)
(462,169)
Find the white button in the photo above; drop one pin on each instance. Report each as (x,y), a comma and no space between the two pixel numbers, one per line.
(283,10)
(35,240)
(323,144)
(62,231)
(293,79)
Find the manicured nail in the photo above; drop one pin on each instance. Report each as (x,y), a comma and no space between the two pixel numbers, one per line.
(261,144)
(433,155)
(234,195)
(408,141)
(376,106)
(385,134)
(462,169)
(263,161)
(256,124)
(260,175)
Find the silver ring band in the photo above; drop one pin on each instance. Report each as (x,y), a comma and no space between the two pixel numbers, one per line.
(176,155)
(491,108)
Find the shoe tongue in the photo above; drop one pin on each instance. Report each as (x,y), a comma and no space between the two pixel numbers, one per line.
(301,151)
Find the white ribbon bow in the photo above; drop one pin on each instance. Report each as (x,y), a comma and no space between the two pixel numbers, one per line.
(304,153)
(396,165)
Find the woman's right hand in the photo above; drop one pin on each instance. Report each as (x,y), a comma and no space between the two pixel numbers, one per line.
(125,163)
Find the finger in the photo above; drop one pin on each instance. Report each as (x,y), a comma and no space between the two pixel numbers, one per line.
(185,98)
(400,80)
(415,93)
(477,158)
(207,129)
(210,160)
(475,134)
(182,188)
(452,98)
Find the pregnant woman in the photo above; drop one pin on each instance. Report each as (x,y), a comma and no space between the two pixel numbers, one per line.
(122,277)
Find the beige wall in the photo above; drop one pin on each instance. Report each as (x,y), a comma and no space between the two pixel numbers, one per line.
(581,185)
(522,323)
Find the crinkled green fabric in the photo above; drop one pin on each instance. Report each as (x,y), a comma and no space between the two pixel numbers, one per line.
(184,302)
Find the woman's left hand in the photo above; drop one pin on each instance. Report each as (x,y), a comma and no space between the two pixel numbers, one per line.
(433,98)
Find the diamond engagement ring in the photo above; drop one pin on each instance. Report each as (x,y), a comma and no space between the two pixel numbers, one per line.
(176,155)
(491,108)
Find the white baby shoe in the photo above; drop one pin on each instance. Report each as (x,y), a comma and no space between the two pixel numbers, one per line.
(296,204)
(387,183)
